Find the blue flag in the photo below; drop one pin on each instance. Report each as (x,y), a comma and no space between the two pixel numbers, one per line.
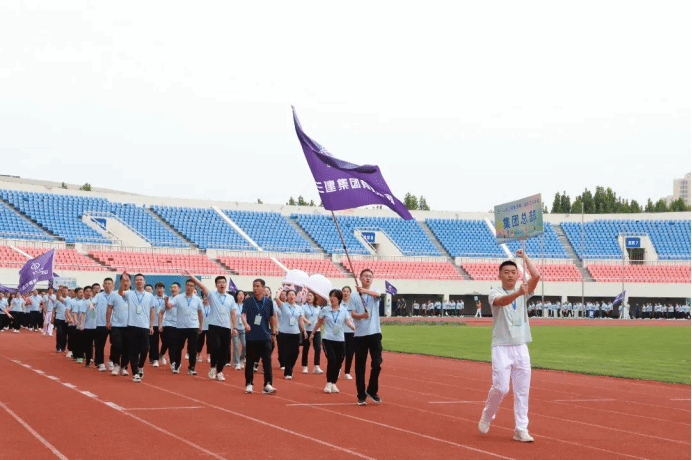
(389,288)
(37,269)
(620,297)
(344,185)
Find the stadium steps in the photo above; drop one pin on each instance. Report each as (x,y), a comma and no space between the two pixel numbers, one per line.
(292,222)
(433,239)
(572,253)
(170,228)
(30,221)
(463,272)
(95,260)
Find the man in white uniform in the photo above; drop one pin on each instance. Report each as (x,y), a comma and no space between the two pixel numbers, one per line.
(510,355)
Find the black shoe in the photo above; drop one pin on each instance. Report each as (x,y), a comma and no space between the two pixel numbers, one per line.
(362,402)
(374,398)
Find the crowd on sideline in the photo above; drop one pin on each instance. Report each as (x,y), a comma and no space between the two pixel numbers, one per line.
(604,309)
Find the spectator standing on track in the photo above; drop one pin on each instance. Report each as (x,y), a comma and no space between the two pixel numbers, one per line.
(239,336)
(437,308)
(479,307)
(510,355)
(311,313)
(189,325)
(368,338)
(334,317)
(140,321)
(260,321)
(35,301)
(348,335)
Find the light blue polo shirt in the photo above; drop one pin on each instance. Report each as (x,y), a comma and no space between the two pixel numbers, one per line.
(187,308)
(119,313)
(101,304)
(288,318)
(49,302)
(334,323)
(91,314)
(311,313)
(139,306)
(238,311)
(220,306)
(3,305)
(205,317)
(170,317)
(16,305)
(35,303)
(59,310)
(370,326)
(160,305)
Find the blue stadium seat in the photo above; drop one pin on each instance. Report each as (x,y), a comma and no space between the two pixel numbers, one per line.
(270,230)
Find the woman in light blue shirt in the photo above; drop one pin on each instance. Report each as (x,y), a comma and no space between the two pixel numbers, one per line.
(205,329)
(334,317)
(239,338)
(291,327)
(311,312)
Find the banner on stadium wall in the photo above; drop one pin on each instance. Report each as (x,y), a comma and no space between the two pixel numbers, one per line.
(71,283)
(519,220)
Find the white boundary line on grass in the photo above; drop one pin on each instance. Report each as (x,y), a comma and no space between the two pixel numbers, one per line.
(34,433)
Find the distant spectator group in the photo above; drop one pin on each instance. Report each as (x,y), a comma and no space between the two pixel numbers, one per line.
(604,309)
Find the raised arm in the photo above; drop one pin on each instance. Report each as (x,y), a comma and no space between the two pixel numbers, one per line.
(533,271)
(124,284)
(197,282)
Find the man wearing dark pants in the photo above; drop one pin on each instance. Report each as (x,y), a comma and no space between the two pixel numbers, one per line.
(140,318)
(101,302)
(190,321)
(260,321)
(116,323)
(367,338)
(222,315)
(59,319)
(154,338)
(168,322)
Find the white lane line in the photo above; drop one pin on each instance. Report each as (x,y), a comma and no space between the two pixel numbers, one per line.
(43,441)
(164,408)
(52,377)
(319,404)
(680,399)
(113,405)
(89,394)
(69,385)
(456,402)
(583,400)
(262,422)
(39,371)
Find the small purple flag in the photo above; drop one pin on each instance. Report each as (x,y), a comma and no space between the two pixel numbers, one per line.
(620,297)
(389,288)
(344,185)
(231,286)
(37,269)
(4,289)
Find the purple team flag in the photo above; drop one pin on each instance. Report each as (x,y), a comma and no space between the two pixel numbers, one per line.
(344,185)
(37,269)
(620,297)
(389,288)
(231,286)
(4,289)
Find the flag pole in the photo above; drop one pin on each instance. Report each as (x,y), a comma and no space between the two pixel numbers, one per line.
(343,244)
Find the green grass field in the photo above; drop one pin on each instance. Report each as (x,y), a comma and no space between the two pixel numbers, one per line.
(645,353)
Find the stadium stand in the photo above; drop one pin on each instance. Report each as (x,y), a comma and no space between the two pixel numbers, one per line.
(156,262)
(322,229)
(406,269)
(486,271)
(670,238)
(282,237)
(322,266)
(640,273)
(9,258)
(547,246)
(13,226)
(67,259)
(251,266)
(465,238)
(203,227)
(146,225)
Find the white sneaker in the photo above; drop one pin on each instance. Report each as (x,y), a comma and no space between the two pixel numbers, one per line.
(522,436)
(334,388)
(199,358)
(348,377)
(237,367)
(208,359)
(268,389)
(155,363)
(187,356)
(220,377)
(317,370)
(212,373)
(163,360)
(102,368)
(137,378)
(116,370)
(175,369)
(305,370)
(248,389)
(328,388)
(68,355)
(282,367)
(110,365)
(288,377)
(484,425)
(124,372)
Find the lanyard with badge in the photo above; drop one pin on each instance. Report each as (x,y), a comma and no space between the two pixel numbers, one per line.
(514,316)
(258,316)
(291,319)
(222,299)
(336,328)
(188,312)
(139,302)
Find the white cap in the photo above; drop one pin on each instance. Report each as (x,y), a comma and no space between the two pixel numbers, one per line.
(319,285)
(296,277)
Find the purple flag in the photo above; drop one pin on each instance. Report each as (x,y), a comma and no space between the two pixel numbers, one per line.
(389,288)
(231,286)
(620,297)
(344,185)
(37,269)
(4,289)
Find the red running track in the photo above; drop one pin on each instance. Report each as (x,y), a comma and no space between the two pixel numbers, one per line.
(51,407)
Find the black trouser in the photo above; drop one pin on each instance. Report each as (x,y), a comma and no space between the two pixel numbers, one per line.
(218,346)
(334,351)
(78,346)
(256,349)
(16,319)
(189,334)
(120,347)
(88,337)
(138,339)
(200,342)
(100,344)
(37,317)
(290,346)
(168,338)
(348,340)
(280,351)
(4,321)
(306,349)
(70,337)
(363,345)
(60,334)
(154,345)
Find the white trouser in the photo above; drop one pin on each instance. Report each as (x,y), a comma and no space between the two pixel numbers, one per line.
(512,361)
(478,314)
(47,326)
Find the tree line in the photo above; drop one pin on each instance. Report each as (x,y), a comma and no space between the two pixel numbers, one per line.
(606,201)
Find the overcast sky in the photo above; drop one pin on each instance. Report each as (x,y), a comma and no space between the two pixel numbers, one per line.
(468,103)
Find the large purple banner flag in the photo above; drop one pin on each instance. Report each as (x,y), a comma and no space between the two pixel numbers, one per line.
(344,185)
(37,269)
